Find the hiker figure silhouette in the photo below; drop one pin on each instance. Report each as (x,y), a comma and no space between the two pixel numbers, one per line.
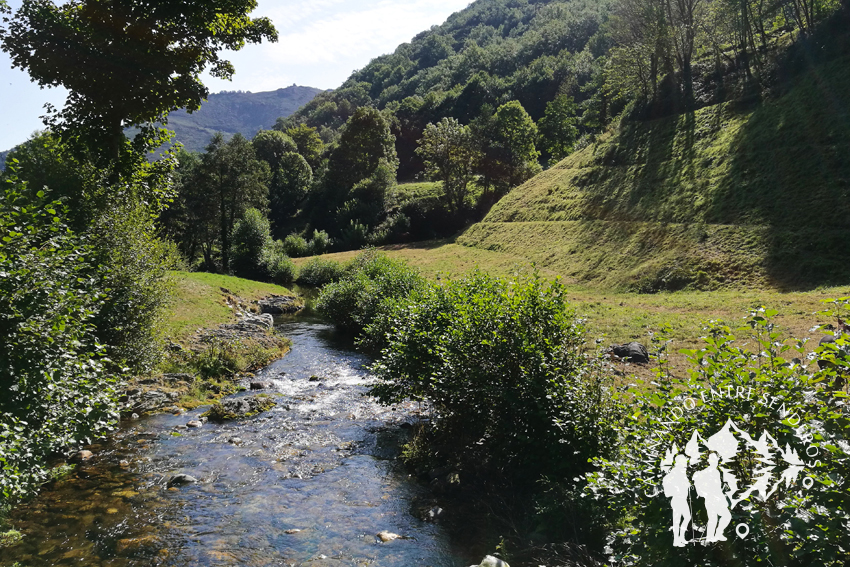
(676,487)
(709,486)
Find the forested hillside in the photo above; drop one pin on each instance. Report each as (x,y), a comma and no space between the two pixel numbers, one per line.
(740,192)
(696,114)
(490,53)
(231,112)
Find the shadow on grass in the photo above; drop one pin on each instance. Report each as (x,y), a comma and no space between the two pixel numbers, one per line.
(790,171)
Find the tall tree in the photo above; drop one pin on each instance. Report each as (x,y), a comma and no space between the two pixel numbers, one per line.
(271,145)
(127,62)
(309,143)
(450,154)
(289,186)
(508,139)
(234,180)
(683,17)
(558,132)
(366,139)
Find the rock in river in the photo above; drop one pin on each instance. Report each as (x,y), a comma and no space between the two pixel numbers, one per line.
(235,408)
(491,561)
(179,479)
(280,304)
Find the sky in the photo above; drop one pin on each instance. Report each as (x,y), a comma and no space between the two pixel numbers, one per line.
(321,43)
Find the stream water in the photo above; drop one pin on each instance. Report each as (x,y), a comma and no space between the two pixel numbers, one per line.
(320,462)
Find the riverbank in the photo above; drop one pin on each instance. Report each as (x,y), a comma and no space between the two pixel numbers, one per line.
(313,481)
(219,331)
(619,317)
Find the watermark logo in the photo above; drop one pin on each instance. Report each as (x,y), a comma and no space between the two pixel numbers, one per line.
(716,484)
(705,479)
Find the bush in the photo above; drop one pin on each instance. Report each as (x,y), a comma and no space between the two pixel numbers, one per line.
(394,229)
(251,236)
(371,280)
(55,390)
(279,267)
(318,272)
(353,236)
(756,385)
(136,265)
(502,364)
(320,243)
(295,246)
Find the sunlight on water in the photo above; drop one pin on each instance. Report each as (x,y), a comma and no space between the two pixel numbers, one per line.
(310,482)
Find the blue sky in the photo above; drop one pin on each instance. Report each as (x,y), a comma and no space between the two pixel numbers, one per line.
(321,43)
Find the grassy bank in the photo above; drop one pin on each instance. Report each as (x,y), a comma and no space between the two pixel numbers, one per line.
(205,301)
(201,300)
(620,316)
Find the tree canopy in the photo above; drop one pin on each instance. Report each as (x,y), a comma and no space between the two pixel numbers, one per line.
(127,62)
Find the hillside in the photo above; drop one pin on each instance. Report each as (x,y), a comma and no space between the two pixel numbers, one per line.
(489,53)
(232,112)
(715,197)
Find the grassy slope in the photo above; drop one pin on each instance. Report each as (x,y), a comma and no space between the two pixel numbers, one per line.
(621,317)
(200,301)
(719,197)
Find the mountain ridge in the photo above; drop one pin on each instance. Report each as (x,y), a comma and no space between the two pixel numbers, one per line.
(230,112)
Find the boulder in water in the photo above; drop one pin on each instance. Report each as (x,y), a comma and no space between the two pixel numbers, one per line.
(236,408)
(280,304)
(179,479)
(491,561)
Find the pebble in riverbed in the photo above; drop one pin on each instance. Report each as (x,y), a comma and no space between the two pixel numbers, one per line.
(387,537)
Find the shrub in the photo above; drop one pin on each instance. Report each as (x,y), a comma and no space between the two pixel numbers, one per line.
(279,267)
(392,230)
(320,243)
(318,272)
(756,385)
(251,236)
(502,364)
(55,391)
(370,281)
(353,236)
(137,263)
(295,246)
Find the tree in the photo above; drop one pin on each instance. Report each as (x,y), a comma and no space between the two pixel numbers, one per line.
(366,139)
(233,180)
(309,144)
(683,16)
(508,139)
(251,236)
(127,62)
(288,188)
(450,155)
(271,145)
(557,128)
(640,32)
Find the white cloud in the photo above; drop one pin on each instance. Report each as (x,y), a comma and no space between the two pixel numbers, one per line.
(322,42)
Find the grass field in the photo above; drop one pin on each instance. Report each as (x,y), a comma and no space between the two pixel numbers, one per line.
(616,316)
(200,301)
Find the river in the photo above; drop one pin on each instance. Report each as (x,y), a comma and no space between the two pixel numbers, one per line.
(310,482)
